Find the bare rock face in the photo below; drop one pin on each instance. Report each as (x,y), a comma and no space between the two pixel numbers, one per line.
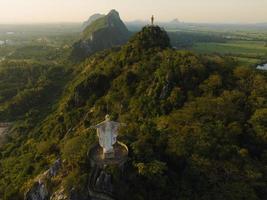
(103,182)
(53,170)
(165,91)
(37,192)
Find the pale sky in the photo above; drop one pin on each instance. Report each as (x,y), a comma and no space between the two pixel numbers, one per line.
(221,11)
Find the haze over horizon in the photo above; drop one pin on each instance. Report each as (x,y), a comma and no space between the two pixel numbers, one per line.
(204,11)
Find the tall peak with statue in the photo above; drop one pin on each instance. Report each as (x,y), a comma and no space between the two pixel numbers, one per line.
(151,36)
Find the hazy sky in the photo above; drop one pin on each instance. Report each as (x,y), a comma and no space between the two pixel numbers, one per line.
(229,11)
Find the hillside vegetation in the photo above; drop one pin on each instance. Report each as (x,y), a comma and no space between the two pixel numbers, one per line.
(196,125)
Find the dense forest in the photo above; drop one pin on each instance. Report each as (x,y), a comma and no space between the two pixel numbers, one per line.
(195,125)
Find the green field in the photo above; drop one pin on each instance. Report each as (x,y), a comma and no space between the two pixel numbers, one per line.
(249,52)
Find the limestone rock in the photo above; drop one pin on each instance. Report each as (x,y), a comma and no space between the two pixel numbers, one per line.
(39,189)
(103,182)
(53,170)
(165,91)
(37,192)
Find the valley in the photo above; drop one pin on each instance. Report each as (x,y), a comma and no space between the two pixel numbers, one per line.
(247,52)
(246,44)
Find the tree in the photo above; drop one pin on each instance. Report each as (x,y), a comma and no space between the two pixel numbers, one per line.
(75,151)
(259,123)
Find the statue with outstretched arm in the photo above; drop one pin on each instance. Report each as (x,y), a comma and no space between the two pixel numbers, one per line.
(107,132)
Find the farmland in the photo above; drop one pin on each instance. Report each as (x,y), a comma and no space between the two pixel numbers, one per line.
(246,44)
(250,52)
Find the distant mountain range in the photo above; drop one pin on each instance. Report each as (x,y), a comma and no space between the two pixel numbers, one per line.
(101,31)
(137,25)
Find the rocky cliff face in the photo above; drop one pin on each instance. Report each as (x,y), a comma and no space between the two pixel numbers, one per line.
(39,189)
(105,32)
(37,192)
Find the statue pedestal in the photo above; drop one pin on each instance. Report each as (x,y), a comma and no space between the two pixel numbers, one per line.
(118,157)
(102,184)
(109,155)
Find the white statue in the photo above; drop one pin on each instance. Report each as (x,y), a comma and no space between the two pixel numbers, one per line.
(107,132)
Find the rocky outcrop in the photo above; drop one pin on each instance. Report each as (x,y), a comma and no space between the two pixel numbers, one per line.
(165,91)
(100,185)
(101,181)
(103,33)
(53,170)
(150,37)
(39,190)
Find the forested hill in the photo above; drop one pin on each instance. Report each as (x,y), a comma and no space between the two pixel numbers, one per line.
(196,126)
(102,33)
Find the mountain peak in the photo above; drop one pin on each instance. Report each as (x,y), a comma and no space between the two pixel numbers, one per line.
(91,19)
(114,13)
(151,37)
(176,21)
(103,33)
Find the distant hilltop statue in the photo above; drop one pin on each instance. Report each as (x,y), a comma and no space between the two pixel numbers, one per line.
(152,20)
(151,36)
